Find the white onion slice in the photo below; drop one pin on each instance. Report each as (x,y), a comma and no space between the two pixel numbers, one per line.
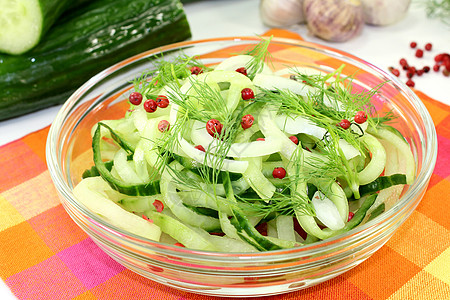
(200,136)
(234,166)
(272,82)
(298,124)
(327,212)
(238,61)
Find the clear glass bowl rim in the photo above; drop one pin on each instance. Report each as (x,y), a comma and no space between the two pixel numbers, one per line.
(53,157)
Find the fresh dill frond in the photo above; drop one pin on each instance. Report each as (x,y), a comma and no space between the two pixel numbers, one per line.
(283,202)
(439,9)
(203,103)
(387,118)
(260,55)
(165,72)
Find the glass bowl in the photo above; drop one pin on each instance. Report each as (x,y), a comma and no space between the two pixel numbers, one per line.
(235,274)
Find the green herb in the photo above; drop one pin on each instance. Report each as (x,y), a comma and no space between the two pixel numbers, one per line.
(439,9)
(330,102)
(260,55)
(165,72)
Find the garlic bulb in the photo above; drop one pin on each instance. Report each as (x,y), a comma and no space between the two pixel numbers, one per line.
(384,12)
(334,20)
(281,13)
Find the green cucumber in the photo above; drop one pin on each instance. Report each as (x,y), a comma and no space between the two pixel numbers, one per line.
(377,211)
(24,22)
(93,192)
(181,232)
(146,189)
(203,211)
(240,221)
(382,182)
(83,43)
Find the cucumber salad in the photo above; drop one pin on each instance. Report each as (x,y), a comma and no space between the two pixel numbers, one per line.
(237,157)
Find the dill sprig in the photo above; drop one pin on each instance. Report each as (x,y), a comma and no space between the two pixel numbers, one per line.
(201,102)
(288,199)
(326,104)
(439,9)
(165,72)
(260,55)
(281,203)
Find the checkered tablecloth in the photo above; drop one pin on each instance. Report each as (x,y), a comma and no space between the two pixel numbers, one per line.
(44,255)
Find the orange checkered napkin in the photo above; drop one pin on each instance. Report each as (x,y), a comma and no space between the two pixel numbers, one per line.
(44,255)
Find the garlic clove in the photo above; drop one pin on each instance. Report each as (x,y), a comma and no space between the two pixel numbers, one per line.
(281,13)
(384,12)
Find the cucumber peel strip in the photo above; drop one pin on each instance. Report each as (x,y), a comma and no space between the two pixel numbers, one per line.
(146,189)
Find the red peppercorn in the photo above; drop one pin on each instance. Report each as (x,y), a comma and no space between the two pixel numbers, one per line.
(419,53)
(396,72)
(410,83)
(426,69)
(147,219)
(403,62)
(345,124)
(150,106)
(436,67)
(409,74)
(446,72)
(196,70)
(213,127)
(294,139)
(419,72)
(242,70)
(413,45)
(158,205)
(350,216)
(260,139)
(428,46)
(247,121)
(200,147)
(279,172)
(163,125)
(447,64)
(439,57)
(135,98)
(247,94)
(445,58)
(162,101)
(360,117)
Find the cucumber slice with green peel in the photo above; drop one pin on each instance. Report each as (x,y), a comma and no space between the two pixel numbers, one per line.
(23,22)
(122,186)
(21,25)
(93,193)
(181,232)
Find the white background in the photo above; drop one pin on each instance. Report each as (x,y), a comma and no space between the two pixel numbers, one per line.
(381,46)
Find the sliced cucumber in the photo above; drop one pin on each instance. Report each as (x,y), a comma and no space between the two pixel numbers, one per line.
(381,183)
(23,22)
(145,189)
(181,232)
(93,193)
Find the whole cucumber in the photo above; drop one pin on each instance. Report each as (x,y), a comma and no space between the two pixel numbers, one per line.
(82,43)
